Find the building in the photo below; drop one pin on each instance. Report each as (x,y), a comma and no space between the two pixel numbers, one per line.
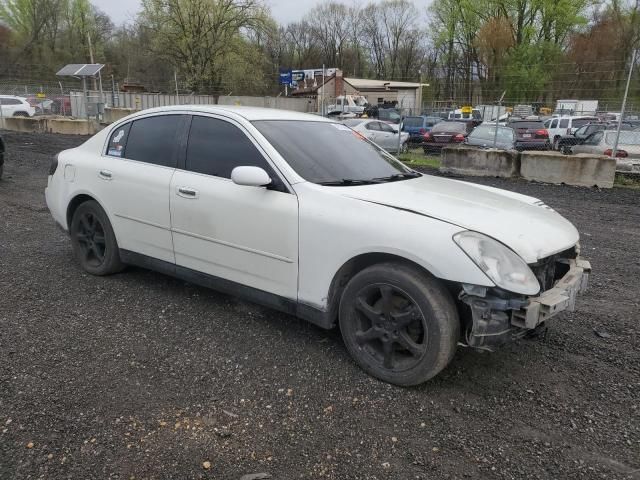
(406,95)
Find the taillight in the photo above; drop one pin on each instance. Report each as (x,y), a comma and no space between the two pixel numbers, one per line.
(423,131)
(53,165)
(542,133)
(458,138)
(619,153)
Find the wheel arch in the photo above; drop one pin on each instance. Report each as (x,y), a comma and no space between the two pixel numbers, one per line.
(355,265)
(78,200)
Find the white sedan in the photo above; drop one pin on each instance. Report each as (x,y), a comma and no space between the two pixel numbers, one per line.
(305,215)
(381,133)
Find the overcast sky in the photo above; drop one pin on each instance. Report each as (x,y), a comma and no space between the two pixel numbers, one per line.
(284,11)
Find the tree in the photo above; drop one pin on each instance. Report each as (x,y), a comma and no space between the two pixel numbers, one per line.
(197,35)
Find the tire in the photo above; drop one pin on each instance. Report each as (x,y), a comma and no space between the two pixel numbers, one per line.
(566,150)
(93,241)
(399,324)
(21,114)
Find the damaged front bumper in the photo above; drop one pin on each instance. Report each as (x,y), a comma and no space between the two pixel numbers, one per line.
(496,320)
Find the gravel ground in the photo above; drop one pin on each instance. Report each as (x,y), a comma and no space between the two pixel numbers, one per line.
(139,375)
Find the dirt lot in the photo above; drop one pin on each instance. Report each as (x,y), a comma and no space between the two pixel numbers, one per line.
(139,375)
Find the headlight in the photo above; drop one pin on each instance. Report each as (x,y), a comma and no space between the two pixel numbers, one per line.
(500,264)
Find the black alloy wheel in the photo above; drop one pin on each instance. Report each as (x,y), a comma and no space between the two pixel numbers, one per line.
(399,323)
(91,239)
(94,243)
(391,328)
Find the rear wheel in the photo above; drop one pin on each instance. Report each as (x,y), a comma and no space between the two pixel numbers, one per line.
(94,243)
(21,114)
(399,324)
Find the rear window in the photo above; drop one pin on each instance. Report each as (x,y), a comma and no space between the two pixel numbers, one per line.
(626,138)
(529,125)
(457,127)
(579,122)
(413,122)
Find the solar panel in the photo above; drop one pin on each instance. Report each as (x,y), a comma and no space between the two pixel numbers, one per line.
(80,70)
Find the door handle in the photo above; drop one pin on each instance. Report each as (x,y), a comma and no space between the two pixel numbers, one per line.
(105,175)
(187,192)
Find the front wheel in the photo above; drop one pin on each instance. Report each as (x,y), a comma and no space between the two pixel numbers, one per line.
(399,324)
(94,243)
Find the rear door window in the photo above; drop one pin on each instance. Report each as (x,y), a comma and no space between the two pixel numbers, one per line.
(154,140)
(118,140)
(564,123)
(216,147)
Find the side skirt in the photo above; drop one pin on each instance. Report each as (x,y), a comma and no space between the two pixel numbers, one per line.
(292,307)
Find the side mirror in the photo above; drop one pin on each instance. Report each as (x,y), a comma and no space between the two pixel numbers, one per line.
(250,176)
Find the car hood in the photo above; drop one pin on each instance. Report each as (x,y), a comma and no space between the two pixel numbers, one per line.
(530,228)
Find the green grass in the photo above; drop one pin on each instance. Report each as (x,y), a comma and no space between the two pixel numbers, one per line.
(414,159)
(628,181)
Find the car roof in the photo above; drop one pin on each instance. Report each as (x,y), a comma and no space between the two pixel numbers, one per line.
(248,113)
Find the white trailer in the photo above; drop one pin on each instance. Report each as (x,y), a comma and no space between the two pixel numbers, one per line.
(576,107)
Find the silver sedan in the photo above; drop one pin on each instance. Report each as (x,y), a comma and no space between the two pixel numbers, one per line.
(601,143)
(380,133)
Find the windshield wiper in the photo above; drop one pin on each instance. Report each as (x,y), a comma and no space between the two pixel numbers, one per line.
(398,176)
(347,182)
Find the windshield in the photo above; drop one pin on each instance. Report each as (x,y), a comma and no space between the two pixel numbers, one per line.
(528,125)
(323,152)
(579,122)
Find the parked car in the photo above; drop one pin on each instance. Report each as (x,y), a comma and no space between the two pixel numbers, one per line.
(530,135)
(561,126)
(13,106)
(446,134)
(602,142)
(484,136)
(568,141)
(41,105)
(380,133)
(2,155)
(417,126)
(302,214)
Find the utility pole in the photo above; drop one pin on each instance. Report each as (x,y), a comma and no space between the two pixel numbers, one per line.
(175,77)
(91,58)
(614,150)
(495,136)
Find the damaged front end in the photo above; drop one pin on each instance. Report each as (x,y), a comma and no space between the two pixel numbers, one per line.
(493,317)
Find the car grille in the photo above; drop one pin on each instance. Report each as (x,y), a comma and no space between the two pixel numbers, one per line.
(551,269)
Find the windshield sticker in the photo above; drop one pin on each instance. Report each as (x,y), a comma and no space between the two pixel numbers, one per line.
(119,136)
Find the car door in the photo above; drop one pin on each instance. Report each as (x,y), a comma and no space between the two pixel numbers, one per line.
(372,131)
(8,106)
(246,235)
(590,144)
(132,181)
(388,137)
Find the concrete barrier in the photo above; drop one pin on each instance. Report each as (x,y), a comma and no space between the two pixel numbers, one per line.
(582,169)
(67,126)
(480,162)
(24,124)
(114,114)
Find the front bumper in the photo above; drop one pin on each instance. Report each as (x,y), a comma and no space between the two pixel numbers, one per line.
(497,320)
(558,299)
